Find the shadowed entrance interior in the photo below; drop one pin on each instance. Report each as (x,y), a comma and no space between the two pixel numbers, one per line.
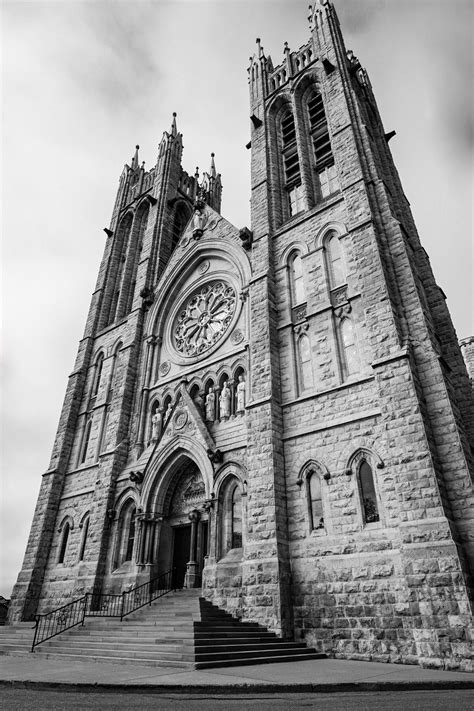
(184,530)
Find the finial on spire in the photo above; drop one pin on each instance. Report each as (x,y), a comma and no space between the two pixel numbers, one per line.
(212,171)
(196,174)
(259,47)
(174,129)
(134,165)
(286,49)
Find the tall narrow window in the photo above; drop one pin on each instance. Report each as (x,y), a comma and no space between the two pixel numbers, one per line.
(291,164)
(85,533)
(325,168)
(117,263)
(368,495)
(236,518)
(315,501)
(349,355)
(130,535)
(85,441)
(306,366)
(64,541)
(230,508)
(180,221)
(335,261)
(297,281)
(97,374)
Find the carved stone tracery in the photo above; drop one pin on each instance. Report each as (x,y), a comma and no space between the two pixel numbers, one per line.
(204,318)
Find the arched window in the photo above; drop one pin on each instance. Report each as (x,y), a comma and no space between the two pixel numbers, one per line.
(125,534)
(230,507)
(180,221)
(130,539)
(99,363)
(305,361)
(117,264)
(298,294)
(130,277)
(85,533)
(334,261)
(85,441)
(368,496)
(291,164)
(349,355)
(325,169)
(65,529)
(315,501)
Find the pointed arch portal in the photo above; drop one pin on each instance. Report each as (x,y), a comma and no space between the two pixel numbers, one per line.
(180,494)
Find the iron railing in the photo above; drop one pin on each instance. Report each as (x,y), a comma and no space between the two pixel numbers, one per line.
(52,623)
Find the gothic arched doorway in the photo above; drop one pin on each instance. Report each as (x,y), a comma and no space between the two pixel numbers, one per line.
(184,529)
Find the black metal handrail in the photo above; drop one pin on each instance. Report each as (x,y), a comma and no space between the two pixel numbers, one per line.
(52,623)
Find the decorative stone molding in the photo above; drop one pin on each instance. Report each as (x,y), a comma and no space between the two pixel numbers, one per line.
(165,367)
(301,328)
(339,296)
(237,336)
(343,311)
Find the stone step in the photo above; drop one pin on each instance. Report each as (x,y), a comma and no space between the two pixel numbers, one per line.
(118,653)
(125,644)
(270,659)
(140,661)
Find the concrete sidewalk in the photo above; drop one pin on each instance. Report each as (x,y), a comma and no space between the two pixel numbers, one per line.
(320,675)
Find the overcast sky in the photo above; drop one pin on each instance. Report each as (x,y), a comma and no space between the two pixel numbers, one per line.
(83,82)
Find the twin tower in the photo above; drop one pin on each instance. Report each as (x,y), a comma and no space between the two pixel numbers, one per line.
(281,413)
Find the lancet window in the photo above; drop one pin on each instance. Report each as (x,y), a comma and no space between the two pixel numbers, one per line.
(291,164)
(325,168)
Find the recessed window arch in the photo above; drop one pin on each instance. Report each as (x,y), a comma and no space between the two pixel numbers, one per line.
(298,292)
(349,355)
(291,163)
(334,260)
(305,362)
(129,278)
(117,264)
(126,529)
(313,476)
(180,220)
(64,529)
(85,440)
(98,366)
(315,500)
(370,508)
(230,509)
(84,536)
(326,174)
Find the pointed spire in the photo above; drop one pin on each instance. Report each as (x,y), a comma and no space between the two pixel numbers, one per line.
(134,165)
(174,129)
(212,170)
(286,49)
(259,48)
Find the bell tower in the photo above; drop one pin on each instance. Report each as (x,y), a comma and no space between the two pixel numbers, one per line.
(372,416)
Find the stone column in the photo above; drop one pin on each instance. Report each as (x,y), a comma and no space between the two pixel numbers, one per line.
(192,567)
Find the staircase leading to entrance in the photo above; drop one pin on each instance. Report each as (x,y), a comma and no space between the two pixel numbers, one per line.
(180,630)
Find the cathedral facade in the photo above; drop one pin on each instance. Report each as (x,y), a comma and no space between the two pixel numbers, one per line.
(281,414)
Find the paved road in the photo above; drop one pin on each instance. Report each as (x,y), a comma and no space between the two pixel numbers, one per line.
(28,699)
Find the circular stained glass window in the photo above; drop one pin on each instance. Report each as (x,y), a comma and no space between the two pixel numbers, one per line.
(204,318)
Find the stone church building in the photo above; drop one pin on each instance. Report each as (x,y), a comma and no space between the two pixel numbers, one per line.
(280,413)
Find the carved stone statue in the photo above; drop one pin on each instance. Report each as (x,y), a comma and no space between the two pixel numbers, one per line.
(168,412)
(224,401)
(241,394)
(210,404)
(156,422)
(199,401)
(198,222)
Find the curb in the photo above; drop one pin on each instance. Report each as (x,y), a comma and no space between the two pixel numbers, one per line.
(270,688)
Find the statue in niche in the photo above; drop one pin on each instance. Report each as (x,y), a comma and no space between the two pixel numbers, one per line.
(210,404)
(198,222)
(168,412)
(241,394)
(156,422)
(199,401)
(224,401)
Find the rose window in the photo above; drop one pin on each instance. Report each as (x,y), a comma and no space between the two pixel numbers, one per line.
(204,318)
